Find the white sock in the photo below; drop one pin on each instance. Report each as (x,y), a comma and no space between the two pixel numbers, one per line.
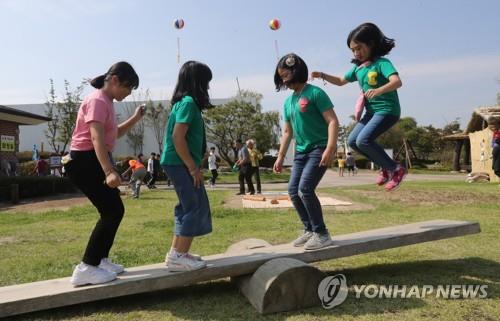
(174,253)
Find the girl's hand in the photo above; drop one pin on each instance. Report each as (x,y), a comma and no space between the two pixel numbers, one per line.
(316,74)
(278,165)
(327,158)
(197,177)
(372,93)
(140,111)
(113,180)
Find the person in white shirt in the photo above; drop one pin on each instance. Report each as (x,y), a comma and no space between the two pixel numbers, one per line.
(212,166)
(151,171)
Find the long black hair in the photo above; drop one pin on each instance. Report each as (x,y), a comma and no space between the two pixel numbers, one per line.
(369,34)
(125,73)
(297,67)
(193,80)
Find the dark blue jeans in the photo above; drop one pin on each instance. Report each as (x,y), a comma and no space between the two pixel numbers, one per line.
(362,138)
(306,174)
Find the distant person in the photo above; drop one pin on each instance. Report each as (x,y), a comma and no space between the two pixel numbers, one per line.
(350,163)
(341,163)
(91,168)
(152,170)
(496,147)
(183,149)
(244,168)
(41,167)
(379,81)
(5,168)
(138,173)
(309,118)
(255,157)
(212,166)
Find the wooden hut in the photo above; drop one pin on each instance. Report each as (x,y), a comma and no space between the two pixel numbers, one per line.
(478,136)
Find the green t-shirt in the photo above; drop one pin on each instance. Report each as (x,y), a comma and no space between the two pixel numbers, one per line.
(185,111)
(374,76)
(304,112)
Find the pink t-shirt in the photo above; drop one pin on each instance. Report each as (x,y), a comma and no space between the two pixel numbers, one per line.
(96,107)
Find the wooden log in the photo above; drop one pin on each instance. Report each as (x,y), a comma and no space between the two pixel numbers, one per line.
(254,198)
(42,295)
(246,245)
(280,285)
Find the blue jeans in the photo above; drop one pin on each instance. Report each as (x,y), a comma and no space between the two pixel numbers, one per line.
(306,174)
(192,213)
(362,138)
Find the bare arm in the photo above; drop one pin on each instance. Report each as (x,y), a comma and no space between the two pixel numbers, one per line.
(333,130)
(97,135)
(124,127)
(393,84)
(284,144)
(339,81)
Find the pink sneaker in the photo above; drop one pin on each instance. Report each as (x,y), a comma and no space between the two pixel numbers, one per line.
(397,177)
(383,177)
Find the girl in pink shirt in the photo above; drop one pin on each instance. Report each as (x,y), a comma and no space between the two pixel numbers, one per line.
(90,167)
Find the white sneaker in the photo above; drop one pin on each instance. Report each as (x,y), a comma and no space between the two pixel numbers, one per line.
(107,265)
(318,241)
(88,274)
(302,239)
(195,257)
(183,263)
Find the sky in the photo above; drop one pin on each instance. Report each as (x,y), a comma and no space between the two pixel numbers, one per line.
(447,52)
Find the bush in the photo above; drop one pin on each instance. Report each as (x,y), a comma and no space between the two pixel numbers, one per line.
(26,156)
(35,186)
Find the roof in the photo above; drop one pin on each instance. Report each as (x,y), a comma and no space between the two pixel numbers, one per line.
(480,119)
(21,117)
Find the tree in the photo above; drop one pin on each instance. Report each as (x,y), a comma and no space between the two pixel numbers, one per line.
(135,135)
(156,118)
(63,114)
(51,111)
(242,118)
(68,111)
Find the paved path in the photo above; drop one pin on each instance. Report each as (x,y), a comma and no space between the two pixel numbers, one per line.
(331,179)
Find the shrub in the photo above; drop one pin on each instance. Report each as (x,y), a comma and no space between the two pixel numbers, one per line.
(34,186)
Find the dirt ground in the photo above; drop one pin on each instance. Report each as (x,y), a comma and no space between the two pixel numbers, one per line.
(431,197)
(39,205)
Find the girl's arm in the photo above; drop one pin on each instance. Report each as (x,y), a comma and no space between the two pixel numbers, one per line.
(97,135)
(285,142)
(339,81)
(333,131)
(126,125)
(393,84)
(182,149)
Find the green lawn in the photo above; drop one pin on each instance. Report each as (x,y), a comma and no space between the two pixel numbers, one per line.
(44,246)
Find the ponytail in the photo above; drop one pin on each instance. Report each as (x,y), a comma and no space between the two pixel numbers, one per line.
(98,82)
(125,73)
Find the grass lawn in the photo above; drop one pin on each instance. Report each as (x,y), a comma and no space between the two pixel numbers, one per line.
(47,245)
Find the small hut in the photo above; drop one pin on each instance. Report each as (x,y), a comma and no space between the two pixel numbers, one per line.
(478,135)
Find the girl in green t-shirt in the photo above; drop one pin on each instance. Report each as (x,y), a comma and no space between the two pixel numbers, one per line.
(379,81)
(310,119)
(183,148)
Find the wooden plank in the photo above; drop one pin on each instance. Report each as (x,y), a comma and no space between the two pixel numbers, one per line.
(29,297)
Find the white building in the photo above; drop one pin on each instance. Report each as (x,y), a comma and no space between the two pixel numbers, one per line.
(31,135)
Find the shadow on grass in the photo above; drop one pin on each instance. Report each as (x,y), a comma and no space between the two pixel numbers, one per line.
(220,299)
